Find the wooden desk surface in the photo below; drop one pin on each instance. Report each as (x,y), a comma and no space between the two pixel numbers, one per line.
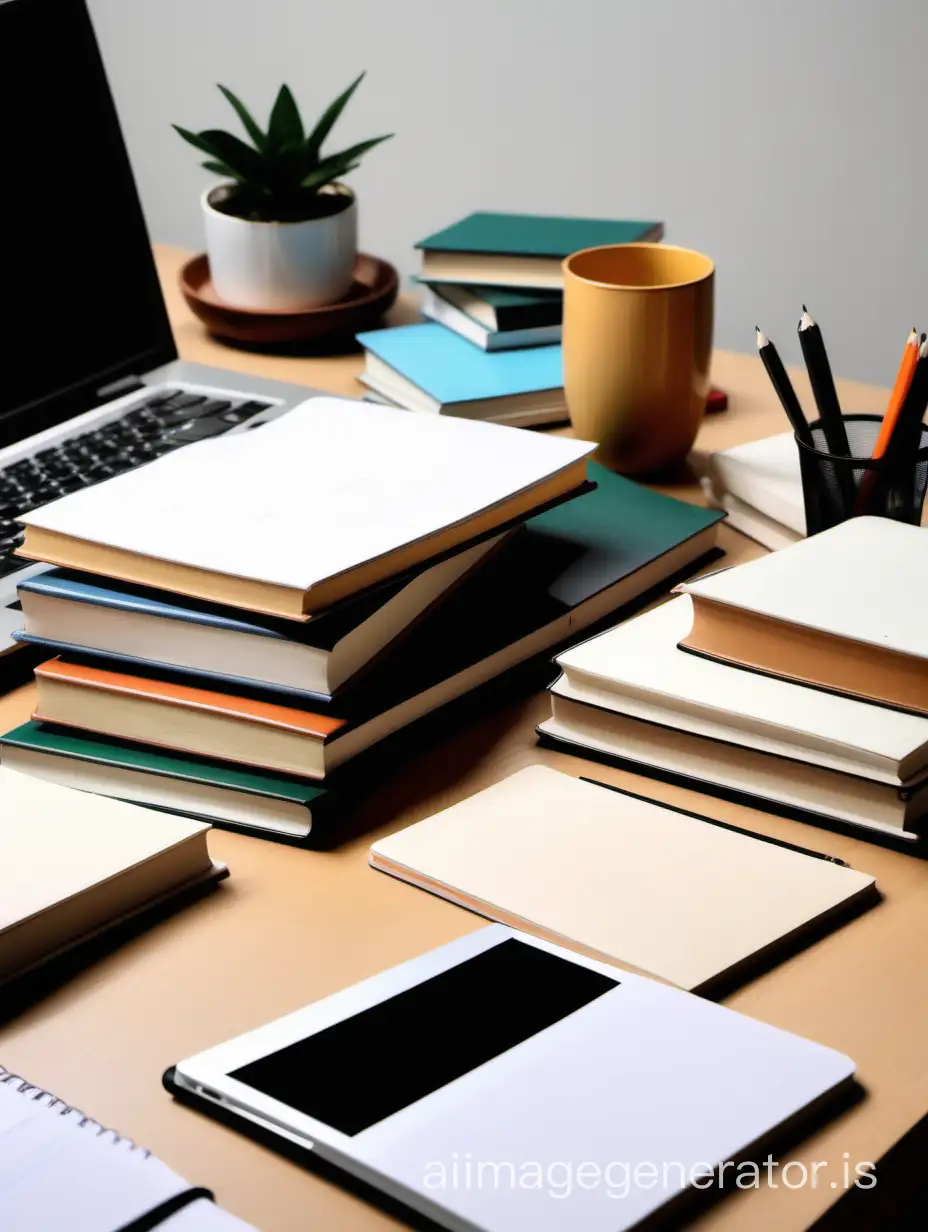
(291,926)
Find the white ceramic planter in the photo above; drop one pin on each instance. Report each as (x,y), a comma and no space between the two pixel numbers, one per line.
(281,265)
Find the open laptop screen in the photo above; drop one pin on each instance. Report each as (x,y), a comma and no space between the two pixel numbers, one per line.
(82,305)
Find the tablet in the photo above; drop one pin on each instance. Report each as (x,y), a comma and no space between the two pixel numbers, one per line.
(502,1082)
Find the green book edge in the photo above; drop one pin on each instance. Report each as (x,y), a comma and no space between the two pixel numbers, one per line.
(535,235)
(45,738)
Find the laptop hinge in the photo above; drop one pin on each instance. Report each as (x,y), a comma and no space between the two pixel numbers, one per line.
(125,385)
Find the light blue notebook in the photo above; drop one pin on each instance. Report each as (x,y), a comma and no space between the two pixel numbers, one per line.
(450,370)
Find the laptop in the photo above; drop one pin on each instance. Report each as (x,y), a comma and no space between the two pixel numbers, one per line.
(90,382)
(502,1083)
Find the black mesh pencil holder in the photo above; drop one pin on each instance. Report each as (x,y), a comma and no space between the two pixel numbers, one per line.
(836,488)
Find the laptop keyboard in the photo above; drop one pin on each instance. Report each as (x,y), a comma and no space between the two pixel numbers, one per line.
(168,420)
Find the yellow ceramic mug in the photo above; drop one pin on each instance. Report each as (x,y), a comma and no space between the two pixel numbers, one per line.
(637,345)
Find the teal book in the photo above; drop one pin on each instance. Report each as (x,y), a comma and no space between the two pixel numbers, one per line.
(430,368)
(502,309)
(520,250)
(226,794)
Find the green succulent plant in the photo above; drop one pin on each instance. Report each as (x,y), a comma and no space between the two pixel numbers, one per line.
(280,175)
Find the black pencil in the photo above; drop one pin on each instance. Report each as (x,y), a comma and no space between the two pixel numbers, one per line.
(784,387)
(823,385)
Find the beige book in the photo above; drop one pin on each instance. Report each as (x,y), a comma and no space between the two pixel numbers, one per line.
(843,610)
(73,864)
(619,878)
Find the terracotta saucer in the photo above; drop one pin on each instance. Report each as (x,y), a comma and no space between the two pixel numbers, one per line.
(373,291)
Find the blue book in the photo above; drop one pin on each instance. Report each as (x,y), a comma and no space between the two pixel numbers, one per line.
(430,368)
(70,612)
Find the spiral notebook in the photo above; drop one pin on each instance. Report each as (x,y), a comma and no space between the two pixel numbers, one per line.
(61,1169)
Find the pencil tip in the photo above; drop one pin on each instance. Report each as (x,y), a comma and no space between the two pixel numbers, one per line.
(761,337)
(804,308)
(805,321)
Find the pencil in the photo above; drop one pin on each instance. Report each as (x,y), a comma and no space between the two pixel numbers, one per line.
(823,385)
(907,365)
(907,430)
(784,387)
(907,368)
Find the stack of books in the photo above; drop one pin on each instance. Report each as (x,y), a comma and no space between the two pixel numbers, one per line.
(797,683)
(759,486)
(493,296)
(235,624)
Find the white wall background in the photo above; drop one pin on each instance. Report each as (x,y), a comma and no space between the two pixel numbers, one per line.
(782,137)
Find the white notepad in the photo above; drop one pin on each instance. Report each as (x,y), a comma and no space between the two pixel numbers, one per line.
(59,1169)
(619,877)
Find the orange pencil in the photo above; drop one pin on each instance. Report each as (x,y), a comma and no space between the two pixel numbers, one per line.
(897,397)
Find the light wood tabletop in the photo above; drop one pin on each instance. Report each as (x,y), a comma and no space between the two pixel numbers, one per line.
(291,926)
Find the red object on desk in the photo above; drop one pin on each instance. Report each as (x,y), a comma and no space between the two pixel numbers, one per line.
(717,401)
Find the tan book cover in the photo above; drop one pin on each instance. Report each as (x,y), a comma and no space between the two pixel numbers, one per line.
(620,878)
(73,864)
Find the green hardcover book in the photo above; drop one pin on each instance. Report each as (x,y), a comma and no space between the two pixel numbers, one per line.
(520,250)
(224,793)
(503,309)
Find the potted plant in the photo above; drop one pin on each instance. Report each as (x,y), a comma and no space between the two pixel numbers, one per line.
(281,231)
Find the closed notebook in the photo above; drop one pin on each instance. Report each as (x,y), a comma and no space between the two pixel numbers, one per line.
(430,368)
(520,250)
(69,611)
(620,878)
(842,610)
(73,865)
(219,792)
(322,503)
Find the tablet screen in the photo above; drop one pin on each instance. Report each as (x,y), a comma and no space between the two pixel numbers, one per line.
(367,1067)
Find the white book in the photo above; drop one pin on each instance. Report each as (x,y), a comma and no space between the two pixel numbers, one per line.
(842,610)
(765,475)
(814,751)
(758,526)
(317,505)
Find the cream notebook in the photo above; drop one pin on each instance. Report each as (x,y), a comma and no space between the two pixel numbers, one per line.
(620,878)
(73,864)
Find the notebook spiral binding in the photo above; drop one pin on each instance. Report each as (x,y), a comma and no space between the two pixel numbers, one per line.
(48,1100)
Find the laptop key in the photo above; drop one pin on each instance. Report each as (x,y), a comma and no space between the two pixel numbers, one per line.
(171,416)
(160,399)
(197,430)
(180,400)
